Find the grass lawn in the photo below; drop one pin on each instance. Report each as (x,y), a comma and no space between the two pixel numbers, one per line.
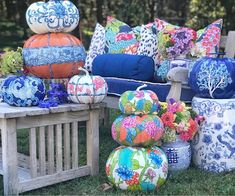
(190,182)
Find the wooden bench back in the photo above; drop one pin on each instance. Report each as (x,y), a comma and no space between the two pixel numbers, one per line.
(227,43)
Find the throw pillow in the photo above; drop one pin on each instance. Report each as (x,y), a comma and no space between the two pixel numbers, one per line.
(207,42)
(137,67)
(148,43)
(96,46)
(118,36)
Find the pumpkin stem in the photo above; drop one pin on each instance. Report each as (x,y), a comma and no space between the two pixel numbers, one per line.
(142,86)
(82,69)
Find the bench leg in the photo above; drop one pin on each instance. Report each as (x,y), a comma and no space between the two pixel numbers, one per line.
(9,157)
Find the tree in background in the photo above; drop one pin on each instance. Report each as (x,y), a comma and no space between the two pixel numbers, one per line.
(203,12)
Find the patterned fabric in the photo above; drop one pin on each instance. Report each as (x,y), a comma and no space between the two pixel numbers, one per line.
(132,49)
(96,46)
(138,102)
(118,36)
(134,130)
(208,39)
(207,42)
(148,43)
(87,89)
(160,74)
(143,169)
(22,90)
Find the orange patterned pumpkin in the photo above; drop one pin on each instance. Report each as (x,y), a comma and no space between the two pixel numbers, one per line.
(53,55)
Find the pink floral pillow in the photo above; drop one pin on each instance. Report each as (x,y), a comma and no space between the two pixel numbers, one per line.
(207,41)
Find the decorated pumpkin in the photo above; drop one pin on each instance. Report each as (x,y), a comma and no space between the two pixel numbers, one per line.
(86,88)
(134,130)
(53,55)
(143,169)
(139,102)
(53,16)
(22,90)
(213,77)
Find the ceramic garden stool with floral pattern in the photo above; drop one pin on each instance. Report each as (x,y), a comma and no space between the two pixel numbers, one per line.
(214,146)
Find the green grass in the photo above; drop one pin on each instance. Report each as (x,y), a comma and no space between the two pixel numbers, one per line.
(190,182)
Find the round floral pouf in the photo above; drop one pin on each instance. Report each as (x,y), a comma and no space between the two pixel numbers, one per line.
(214,145)
(136,168)
(178,154)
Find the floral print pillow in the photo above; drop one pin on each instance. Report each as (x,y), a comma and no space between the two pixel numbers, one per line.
(208,39)
(207,42)
(118,36)
(96,47)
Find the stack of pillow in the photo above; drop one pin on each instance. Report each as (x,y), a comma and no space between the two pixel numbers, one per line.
(145,52)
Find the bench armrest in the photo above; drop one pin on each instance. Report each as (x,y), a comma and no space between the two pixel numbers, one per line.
(177,76)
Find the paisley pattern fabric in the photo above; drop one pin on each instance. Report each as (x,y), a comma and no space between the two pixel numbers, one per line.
(118,36)
(53,16)
(23,90)
(213,77)
(87,89)
(96,46)
(148,43)
(138,102)
(136,130)
(143,169)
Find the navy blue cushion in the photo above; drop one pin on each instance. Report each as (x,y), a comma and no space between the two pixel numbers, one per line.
(117,86)
(127,66)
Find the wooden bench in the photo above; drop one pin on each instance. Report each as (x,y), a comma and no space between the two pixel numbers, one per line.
(179,76)
(53,145)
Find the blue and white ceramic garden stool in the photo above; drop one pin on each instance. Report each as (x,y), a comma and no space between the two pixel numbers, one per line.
(214,146)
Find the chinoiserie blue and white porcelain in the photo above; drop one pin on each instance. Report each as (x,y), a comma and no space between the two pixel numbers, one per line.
(22,90)
(214,145)
(53,16)
(213,77)
(178,154)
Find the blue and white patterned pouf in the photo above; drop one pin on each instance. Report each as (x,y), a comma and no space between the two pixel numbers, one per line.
(214,146)
(178,154)
(22,90)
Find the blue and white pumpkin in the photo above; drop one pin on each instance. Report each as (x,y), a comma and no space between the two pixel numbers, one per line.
(143,169)
(23,90)
(53,16)
(213,77)
(86,88)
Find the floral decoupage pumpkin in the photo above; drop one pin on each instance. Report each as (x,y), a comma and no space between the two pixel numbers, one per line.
(139,102)
(53,55)
(86,88)
(142,169)
(136,130)
(213,77)
(23,90)
(53,16)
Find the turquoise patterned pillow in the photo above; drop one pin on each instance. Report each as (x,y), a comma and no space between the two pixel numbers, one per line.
(118,36)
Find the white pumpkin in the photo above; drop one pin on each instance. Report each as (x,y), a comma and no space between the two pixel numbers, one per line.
(86,88)
(53,16)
